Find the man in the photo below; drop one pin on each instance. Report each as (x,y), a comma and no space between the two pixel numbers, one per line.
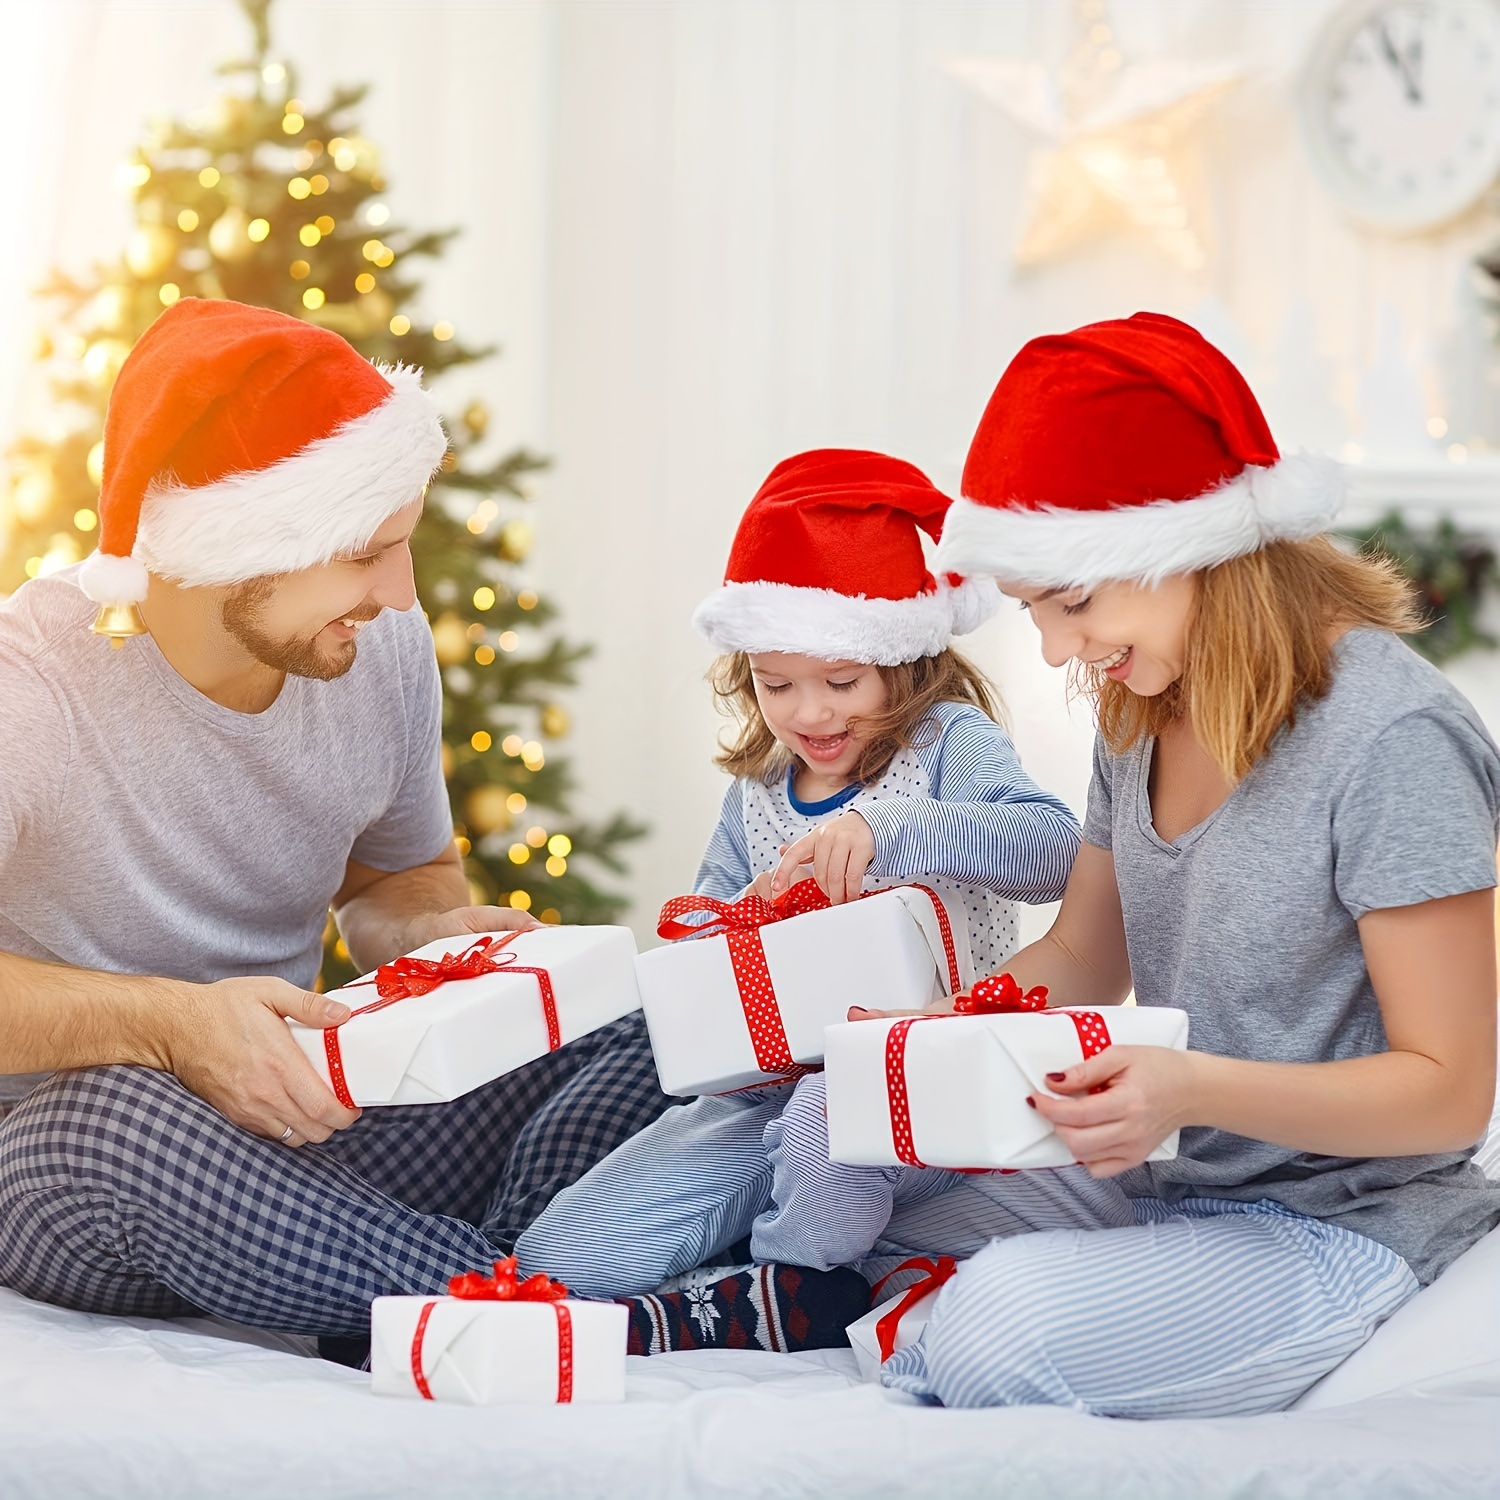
(176,819)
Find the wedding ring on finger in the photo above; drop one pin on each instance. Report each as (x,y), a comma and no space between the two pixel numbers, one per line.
(286,1136)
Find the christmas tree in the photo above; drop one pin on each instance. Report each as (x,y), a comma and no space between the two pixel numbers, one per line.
(270,199)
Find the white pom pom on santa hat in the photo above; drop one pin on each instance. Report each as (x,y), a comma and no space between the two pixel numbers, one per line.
(107,579)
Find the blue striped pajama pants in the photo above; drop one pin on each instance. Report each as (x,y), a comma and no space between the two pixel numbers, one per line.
(121,1192)
(1073,1293)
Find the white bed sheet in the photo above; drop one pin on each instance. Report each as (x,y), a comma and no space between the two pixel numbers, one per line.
(121,1408)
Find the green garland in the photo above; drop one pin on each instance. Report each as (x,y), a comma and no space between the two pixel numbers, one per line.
(1452,574)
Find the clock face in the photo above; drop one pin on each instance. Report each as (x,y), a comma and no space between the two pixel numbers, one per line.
(1401,108)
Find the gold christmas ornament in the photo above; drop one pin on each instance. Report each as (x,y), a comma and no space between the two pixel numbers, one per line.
(515,541)
(150,250)
(450,639)
(31,493)
(230,114)
(109,309)
(102,360)
(555,721)
(476,418)
(486,810)
(229,235)
(1121,142)
(119,622)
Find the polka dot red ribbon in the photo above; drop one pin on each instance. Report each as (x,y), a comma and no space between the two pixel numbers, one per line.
(1093,1038)
(739,922)
(504,1287)
(406,978)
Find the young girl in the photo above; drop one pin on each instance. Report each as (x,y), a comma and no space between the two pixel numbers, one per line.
(868,749)
(1291,836)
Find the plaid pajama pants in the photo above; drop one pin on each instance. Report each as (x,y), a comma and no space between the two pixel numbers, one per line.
(121,1192)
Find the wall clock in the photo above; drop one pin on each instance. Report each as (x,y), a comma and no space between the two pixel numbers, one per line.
(1400,107)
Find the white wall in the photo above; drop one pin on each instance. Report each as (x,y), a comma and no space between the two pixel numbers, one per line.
(712,232)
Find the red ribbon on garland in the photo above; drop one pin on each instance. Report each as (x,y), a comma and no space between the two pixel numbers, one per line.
(504,1286)
(739,922)
(997,995)
(406,978)
(936,1272)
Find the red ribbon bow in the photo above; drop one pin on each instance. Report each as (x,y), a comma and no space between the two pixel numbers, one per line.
(740,923)
(935,1273)
(1000,995)
(407,978)
(748,914)
(504,1286)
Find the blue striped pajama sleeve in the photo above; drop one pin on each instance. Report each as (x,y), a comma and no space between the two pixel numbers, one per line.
(986,823)
(725,870)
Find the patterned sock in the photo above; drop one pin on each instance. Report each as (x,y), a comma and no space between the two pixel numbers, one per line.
(778,1308)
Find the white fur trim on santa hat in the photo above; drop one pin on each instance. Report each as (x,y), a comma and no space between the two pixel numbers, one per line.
(830,626)
(1295,498)
(107,579)
(328,499)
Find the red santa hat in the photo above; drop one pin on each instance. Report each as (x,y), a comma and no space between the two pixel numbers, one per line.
(240,442)
(828,563)
(1131,449)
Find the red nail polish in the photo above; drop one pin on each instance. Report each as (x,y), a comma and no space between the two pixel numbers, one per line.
(1031,1101)
(1056,1077)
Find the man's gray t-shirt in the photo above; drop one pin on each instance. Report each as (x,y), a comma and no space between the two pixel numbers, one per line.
(1384,793)
(145,829)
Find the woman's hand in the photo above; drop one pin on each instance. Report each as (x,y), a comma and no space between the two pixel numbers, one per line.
(839,851)
(1119,1106)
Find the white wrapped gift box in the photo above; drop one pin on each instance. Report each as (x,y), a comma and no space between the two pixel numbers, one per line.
(430,1048)
(965,1080)
(486,1353)
(886,950)
(905,1315)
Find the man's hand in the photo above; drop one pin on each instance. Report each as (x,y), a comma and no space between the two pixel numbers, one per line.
(385,913)
(464,921)
(839,851)
(228,1043)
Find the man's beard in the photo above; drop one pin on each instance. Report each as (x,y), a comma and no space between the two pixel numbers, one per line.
(299,658)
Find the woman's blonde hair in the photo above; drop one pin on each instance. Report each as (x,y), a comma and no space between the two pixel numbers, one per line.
(1259,647)
(912,690)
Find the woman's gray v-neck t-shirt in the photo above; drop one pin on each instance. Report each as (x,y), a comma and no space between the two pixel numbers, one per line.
(1386,792)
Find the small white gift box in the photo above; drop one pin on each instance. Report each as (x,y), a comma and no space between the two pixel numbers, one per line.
(486,1353)
(950,1091)
(531,993)
(751,1004)
(899,1320)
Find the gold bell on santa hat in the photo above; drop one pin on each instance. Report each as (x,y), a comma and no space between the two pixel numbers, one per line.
(118,621)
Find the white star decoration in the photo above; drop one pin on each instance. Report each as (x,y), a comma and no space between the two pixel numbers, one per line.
(1119,148)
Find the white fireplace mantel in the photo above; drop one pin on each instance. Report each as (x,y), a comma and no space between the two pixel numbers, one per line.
(1425,490)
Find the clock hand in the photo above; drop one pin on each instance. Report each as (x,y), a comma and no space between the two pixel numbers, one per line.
(1402,62)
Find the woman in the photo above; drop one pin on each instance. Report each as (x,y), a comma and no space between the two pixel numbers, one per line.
(1291,836)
